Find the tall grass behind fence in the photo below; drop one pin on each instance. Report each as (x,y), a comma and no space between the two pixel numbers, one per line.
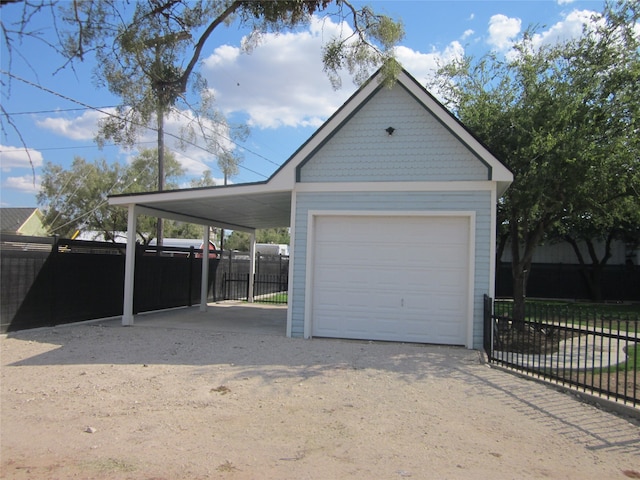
(594,348)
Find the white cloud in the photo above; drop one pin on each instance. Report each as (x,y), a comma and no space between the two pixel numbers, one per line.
(571,27)
(24,184)
(83,127)
(17,157)
(424,65)
(565,2)
(194,157)
(467,34)
(503,30)
(282,82)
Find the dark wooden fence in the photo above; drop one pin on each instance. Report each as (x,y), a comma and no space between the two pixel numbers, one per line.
(620,283)
(47,281)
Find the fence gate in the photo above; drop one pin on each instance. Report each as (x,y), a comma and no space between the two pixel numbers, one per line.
(266,288)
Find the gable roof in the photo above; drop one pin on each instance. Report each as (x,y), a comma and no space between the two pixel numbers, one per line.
(268,203)
(12,219)
(497,170)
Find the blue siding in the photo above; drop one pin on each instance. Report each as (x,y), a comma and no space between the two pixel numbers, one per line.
(480,202)
(420,149)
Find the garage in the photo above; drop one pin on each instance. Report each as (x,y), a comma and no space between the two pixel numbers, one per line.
(401,277)
(391,206)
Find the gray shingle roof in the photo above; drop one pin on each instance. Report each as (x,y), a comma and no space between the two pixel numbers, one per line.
(11,219)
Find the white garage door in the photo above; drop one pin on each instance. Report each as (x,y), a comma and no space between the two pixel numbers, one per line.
(391,278)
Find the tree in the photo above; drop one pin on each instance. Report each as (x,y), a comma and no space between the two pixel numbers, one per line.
(206,180)
(149,55)
(240,240)
(142,55)
(273,235)
(607,73)
(228,164)
(619,221)
(76,199)
(190,230)
(563,118)
(158,23)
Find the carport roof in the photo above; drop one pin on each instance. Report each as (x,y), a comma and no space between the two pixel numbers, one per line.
(238,207)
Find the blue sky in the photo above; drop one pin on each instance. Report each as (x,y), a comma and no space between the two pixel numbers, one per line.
(279,89)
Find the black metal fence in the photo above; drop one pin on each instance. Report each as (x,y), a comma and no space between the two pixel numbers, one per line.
(266,288)
(49,281)
(589,348)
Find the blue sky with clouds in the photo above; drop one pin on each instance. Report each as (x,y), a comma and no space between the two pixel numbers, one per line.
(279,89)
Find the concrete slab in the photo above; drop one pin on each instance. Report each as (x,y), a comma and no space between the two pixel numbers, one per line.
(238,317)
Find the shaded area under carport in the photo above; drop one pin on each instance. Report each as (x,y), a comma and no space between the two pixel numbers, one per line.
(239,317)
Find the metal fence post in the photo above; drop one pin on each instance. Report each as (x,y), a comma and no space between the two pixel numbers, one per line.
(488,326)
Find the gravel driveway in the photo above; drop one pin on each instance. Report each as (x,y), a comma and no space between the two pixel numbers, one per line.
(154,402)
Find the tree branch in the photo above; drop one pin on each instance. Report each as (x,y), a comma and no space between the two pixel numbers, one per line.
(203,38)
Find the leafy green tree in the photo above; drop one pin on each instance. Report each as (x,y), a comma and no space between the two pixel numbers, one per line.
(147,56)
(144,168)
(563,118)
(229,165)
(616,219)
(237,241)
(158,31)
(76,198)
(206,180)
(273,235)
(142,56)
(240,240)
(175,229)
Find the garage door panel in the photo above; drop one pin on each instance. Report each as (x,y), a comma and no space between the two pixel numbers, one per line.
(391,278)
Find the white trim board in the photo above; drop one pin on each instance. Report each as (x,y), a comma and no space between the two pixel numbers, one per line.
(335,187)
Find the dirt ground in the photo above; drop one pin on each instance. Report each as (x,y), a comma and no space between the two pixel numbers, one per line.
(106,402)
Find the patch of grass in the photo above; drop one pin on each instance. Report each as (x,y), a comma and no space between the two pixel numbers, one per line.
(280,297)
(632,363)
(587,308)
(110,465)
(227,466)
(622,317)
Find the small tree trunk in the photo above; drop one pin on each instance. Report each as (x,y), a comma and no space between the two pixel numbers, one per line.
(592,273)
(521,265)
(595,283)
(520,276)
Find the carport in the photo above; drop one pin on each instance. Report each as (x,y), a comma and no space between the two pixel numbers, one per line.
(245,207)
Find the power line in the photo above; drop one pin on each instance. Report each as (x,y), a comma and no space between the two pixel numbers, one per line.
(231,140)
(57,94)
(58,110)
(104,112)
(75,147)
